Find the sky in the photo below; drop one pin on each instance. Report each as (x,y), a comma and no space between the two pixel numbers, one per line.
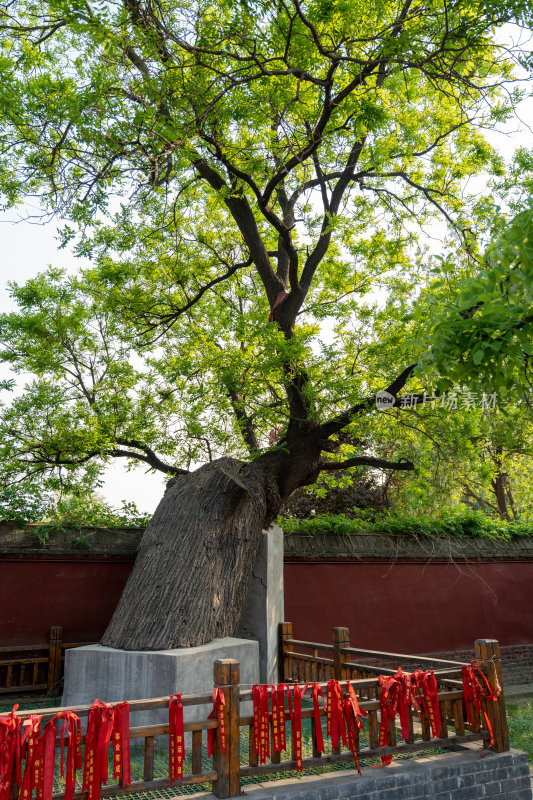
(29,247)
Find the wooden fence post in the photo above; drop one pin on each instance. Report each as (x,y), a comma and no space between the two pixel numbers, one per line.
(227,765)
(55,652)
(488,650)
(285,664)
(341,638)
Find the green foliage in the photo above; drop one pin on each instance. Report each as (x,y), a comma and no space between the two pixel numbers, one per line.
(69,513)
(208,159)
(463,524)
(486,332)
(24,503)
(520,721)
(92,511)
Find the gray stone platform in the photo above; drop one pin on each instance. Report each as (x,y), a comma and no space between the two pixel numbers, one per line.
(113,675)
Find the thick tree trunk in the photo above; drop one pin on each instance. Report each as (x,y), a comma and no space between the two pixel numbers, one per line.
(196,557)
(499,489)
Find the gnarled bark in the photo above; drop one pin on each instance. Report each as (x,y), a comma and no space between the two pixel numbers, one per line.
(195,560)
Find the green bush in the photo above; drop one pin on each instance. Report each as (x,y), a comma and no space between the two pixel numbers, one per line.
(75,511)
(463,524)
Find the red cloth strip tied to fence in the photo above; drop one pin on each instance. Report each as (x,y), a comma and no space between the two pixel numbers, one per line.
(277,700)
(319,739)
(353,713)
(388,701)
(336,728)
(474,694)
(10,752)
(405,700)
(72,722)
(30,751)
(279,735)
(261,722)
(400,693)
(296,725)
(121,744)
(46,756)
(176,750)
(425,691)
(219,702)
(97,738)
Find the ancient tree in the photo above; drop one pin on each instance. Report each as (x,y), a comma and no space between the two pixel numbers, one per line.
(248,181)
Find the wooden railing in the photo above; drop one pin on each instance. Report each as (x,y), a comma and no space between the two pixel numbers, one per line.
(362,667)
(226,675)
(229,767)
(34,667)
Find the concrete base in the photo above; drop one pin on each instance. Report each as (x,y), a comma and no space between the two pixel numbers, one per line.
(112,675)
(264,607)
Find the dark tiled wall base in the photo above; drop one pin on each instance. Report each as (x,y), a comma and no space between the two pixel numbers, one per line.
(517,662)
(454,776)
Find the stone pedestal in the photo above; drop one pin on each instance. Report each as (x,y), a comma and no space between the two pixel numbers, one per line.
(264,608)
(112,675)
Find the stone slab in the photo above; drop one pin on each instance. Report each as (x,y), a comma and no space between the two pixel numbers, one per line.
(264,606)
(112,675)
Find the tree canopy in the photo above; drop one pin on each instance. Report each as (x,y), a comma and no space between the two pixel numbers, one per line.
(249,181)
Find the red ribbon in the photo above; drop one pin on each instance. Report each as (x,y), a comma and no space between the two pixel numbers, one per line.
(219,701)
(279,300)
(296,726)
(335,715)
(353,713)
(261,722)
(400,693)
(72,722)
(426,693)
(388,702)
(405,697)
(30,749)
(97,738)
(10,752)
(278,711)
(121,744)
(277,723)
(176,751)
(317,690)
(474,693)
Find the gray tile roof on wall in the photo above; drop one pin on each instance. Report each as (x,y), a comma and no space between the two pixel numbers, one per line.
(23,540)
(368,546)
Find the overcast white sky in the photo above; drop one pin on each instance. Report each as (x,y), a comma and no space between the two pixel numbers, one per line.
(27,249)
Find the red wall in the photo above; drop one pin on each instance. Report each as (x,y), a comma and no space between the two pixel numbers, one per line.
(411,607)
(80,594)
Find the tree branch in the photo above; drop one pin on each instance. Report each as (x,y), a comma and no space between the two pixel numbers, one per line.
(339,422)
(171,317)
(244,421)
(367,461)
(150,457)
(241,212)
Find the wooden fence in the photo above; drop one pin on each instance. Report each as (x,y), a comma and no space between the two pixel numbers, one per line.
(34,667)
(229,767)
(338,660)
